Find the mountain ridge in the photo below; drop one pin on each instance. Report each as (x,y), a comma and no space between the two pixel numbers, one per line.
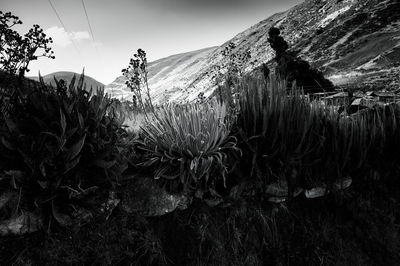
(353,42)
(67,76)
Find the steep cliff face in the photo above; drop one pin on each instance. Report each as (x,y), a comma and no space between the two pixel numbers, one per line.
(351,41)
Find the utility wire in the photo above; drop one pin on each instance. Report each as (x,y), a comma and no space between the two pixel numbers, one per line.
(90,28)
(87,19)
(62,24)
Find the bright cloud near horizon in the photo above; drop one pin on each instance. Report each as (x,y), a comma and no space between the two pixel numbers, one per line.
(160,27)
(63,38)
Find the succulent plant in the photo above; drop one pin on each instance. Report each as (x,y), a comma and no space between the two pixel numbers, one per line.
(64,140)
(187,144)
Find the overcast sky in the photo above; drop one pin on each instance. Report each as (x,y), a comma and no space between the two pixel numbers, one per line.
(120,27)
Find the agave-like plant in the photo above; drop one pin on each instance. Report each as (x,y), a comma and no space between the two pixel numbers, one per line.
(188,144)
(64,142)
(274,128)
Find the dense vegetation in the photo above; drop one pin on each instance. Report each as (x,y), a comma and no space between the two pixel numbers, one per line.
(227,164)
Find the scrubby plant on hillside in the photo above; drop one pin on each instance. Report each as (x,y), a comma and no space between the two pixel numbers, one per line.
(188,145)
(230,73)
(137,80)
(59,144)
(294,69)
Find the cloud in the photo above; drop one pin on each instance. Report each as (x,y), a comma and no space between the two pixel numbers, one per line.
(62,38)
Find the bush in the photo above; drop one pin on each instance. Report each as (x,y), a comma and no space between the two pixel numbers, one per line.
(188,145)
(285,137)
(275,129)
(59,144)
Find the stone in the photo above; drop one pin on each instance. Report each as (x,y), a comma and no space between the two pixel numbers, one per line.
(277,189)
(343,183)
(25,223)
(315,192)
(277,199)
(280,189)
(107,207)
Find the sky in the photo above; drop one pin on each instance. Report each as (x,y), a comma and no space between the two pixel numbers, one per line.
(119,27)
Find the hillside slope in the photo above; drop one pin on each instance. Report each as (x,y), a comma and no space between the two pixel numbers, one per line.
(67,76)
(167,76)
(351,41)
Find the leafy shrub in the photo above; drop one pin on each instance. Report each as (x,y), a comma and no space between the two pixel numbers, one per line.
(58,144)
(137,80)
(188,144)
(18,51)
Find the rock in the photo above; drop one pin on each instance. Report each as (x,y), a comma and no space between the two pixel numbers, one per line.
(321,191)
(277,199)
(144,196)
(111,203)
(343,183)
(315,192)
(279,191)
(25,223)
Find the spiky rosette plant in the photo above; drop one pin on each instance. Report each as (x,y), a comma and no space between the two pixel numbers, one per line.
(284,137)
(188,144)
(60,145)
(274,128)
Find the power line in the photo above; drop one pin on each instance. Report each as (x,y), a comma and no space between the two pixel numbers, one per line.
(90,27)
(87,19)
(62,24)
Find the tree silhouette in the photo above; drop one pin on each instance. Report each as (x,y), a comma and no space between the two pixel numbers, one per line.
(16,51)
(294,69)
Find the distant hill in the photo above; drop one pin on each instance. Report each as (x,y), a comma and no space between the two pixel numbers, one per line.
(166,76)
(67,77)
(353,42)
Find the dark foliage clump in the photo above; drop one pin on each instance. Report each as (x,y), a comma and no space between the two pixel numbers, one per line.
(277,133)
(16,51)
(357,227)
(294,69)
(57,145)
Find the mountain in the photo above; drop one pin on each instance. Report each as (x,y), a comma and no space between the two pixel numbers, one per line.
(167,76)
(67,76)
(353,42)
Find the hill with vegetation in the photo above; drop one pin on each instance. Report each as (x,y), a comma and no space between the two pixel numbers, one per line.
(354,43)
(67,77)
